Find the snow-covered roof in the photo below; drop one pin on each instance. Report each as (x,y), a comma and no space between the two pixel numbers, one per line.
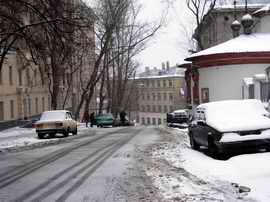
(264,9)
(243,44)
(158,73)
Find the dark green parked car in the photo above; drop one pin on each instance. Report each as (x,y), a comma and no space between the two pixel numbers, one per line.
(104,120)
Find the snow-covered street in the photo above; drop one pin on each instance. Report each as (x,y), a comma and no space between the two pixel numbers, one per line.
(155,165)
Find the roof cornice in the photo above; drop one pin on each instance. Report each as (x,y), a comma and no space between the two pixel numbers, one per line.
(231,59)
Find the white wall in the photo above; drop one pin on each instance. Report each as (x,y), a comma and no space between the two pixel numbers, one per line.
(225,82)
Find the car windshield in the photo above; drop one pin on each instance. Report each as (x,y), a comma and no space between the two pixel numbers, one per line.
(52,115)
(105,115)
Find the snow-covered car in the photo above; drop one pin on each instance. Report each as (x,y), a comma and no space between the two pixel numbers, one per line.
(178,118)
(225,125)
(57,121)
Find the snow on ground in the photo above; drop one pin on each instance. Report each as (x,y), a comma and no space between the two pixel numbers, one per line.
(21,137)
(250,170)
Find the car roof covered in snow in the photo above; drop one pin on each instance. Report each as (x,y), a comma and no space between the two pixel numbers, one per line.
(180,111)
(54,115)
(236,115)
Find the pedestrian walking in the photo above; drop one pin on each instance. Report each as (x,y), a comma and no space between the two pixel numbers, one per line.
(92,119)
(86,118)
(123,117)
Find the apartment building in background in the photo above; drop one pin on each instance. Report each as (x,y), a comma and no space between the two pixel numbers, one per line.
(24,88)
(160,91)
(23,93)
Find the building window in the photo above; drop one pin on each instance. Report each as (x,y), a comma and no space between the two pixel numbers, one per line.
(159,96)
(43,104)
(11,109)
(165,109)
(147,83)
(42,79)
(10,76)
(251,94)
(148,121)
(154,96)
(158,83)
(171,96)
(148,96)
(159,121)
(36,103)
(2,111)
(164,96)
(20,76)
(143,120)
(205,95)
(154,121)
(49,103)
(28,77)
(24,108)
(143,108)
(153,83)
(143,96)
(1,81)
(154,108)
(164,83)
(148,108)
(159,108)
(170,83)
(171,108)
(35,77)
(29,106)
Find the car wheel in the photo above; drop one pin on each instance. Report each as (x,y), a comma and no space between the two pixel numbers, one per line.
(66,133)
(212,148)
(52,135)
(40,136)
(194,145)
(75,132)
(267,148)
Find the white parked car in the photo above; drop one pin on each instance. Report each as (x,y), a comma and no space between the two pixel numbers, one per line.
(57,121)
(225,125)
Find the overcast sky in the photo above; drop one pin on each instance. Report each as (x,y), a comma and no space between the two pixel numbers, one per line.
(170,44)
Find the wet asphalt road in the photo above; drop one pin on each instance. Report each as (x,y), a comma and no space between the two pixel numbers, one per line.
(77,170)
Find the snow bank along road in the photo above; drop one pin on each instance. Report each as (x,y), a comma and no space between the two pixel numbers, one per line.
(182,174)
(76,170)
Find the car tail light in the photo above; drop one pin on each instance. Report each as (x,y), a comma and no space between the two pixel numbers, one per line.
(37,125)
(58,124)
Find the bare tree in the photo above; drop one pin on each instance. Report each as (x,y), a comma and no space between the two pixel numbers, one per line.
(129,39)
(113,43)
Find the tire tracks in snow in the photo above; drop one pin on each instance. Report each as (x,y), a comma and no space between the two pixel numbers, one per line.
(16,174)
(81,174)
